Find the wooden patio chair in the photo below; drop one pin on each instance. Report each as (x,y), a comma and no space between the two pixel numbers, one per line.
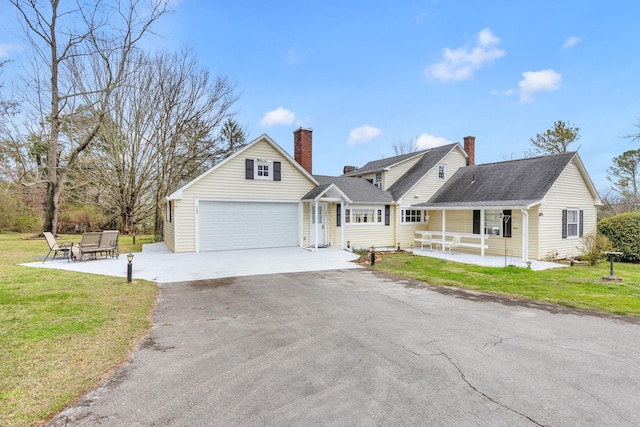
(55,247)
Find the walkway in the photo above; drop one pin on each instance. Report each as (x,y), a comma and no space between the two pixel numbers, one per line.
(487,261)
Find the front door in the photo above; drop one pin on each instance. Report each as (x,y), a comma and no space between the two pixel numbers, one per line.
(319,232)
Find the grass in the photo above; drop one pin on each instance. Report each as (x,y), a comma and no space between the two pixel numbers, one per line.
(578,287)
(62,332)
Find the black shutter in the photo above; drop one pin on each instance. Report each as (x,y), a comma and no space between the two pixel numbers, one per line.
(248,166)
(507,219)
(564,224)
(387,215)
(276,171)
(476,221)
(581,222)
(338,215)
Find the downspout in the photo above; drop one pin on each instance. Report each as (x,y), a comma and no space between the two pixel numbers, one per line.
(525,235)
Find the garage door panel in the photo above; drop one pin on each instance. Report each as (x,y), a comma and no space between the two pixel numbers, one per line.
(243,225)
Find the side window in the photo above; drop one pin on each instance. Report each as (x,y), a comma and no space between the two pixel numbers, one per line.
(442,172)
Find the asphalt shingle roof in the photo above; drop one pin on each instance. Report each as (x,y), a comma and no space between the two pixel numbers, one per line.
(429,160)
(378,165)
(357,189)
(510,183)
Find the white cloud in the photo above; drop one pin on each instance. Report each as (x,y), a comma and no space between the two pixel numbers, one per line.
(460,64)
(363,134)
(279,116)
(571,42)
(6,49)
(536,81)
(425,141)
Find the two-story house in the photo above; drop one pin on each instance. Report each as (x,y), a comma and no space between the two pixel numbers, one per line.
(260,197)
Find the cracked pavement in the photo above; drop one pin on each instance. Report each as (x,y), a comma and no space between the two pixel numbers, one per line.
(358,348)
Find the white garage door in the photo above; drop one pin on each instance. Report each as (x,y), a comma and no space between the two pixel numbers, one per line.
(240,225)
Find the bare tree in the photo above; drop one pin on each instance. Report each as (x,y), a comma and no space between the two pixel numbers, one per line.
(164,129)
(403,147)
(556,140)
(79,57)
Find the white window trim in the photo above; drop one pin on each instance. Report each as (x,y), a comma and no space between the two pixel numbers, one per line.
(444,172)
(378,214)
(259,162)
(424,216)
(500,223)
(378,182)
(576,223)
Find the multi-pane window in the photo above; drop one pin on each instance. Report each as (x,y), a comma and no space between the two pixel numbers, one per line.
(363,216)
(572,222)
(492,222)
(413,215)
(263,170)
(442,171)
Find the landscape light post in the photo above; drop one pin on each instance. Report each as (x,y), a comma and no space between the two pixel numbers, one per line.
(129,267)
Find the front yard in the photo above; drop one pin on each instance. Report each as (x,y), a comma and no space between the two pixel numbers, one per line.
(578,287)
(62,332)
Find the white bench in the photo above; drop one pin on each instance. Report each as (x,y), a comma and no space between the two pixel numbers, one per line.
(461,243)
(423,240)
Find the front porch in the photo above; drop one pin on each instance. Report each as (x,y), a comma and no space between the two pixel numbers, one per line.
(487,260)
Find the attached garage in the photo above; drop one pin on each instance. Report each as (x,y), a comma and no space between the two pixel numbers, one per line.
(229,225)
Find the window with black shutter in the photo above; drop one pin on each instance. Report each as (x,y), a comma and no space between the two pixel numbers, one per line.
(248,168)
(476,221)
(387,214)
(277,176)
(506,222)
(338,215)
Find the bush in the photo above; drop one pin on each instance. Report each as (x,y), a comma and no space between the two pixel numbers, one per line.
(595,244)
(623,231)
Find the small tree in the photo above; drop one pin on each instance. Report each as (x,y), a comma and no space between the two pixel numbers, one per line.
(594,246)
(623,231)
(556,140)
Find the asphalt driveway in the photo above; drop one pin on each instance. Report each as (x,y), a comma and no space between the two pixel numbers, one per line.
(354,347)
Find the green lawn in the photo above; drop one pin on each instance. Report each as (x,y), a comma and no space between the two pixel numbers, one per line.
(62,332)
(577,287)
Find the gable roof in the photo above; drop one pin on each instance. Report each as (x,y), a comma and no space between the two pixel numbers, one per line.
(381,164)
(429,160)
(264,137)
(358,190)
(523,182)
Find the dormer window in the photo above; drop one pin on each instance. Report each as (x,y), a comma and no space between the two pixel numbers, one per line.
(442,172)
(378,180)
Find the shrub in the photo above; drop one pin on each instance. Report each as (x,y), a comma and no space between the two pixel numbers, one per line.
(594,246)
(623,231)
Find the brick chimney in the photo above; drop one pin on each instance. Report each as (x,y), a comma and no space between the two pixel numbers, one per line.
(470,149)
(302,148)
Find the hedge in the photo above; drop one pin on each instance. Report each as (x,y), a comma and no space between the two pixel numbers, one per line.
(623,231)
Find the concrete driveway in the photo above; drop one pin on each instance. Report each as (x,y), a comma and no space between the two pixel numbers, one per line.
(158,264)
(357,348)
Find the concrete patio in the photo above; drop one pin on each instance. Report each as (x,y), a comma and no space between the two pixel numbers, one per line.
(487,261)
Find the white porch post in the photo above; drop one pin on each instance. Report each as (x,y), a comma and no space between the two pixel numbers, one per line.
(444,225)
(525,235)
(315,208)
(482,236)
(342,224)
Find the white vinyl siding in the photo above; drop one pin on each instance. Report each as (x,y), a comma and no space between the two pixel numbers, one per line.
(227,181)
(568,192)
(429,184)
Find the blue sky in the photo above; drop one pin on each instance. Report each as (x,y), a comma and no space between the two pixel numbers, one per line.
(364,75)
